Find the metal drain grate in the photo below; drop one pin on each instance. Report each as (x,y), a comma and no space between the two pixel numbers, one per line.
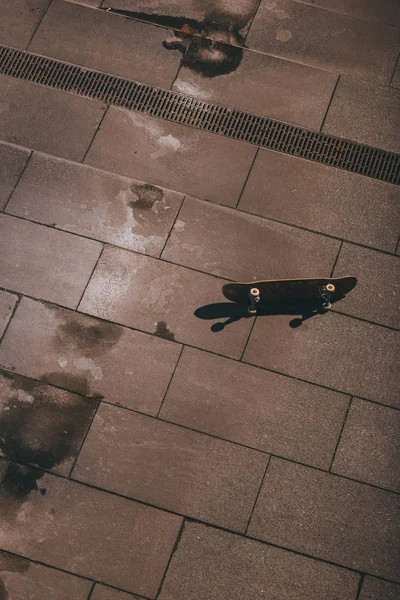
(237,124)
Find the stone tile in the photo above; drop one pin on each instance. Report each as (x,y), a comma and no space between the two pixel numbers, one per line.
(211,564)
(329,517)
(171,467)
(101,592)
(365,113)
(7,304)
(42,425)
(164,299)
(385,11)
(325,39)
(21,578)
(92,526)
(376,296)
(280,89)
(171,155)
(88,356)
(369,448)
(376,589)
(294,191)
(12,163)
(45,263)
(107,207)
(233,244)
(255,408)
(332,350)
(19,20)
(47,119)
(224,20)
(107,42)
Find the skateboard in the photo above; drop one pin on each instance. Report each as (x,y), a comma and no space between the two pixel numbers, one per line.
(324,290)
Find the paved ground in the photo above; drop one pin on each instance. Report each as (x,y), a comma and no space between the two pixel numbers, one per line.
(154,442)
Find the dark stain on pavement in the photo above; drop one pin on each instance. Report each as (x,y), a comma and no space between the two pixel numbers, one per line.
(20,481)
(91,338)
(147,196)
(75,383)
(212,54)
(10,564)
(212,59)
(41,425)
(163,331)
(217,25)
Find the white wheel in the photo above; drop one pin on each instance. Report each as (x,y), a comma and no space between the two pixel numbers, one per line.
(330,288)
(254,292)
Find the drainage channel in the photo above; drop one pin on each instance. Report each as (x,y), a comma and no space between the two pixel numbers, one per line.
(214,118)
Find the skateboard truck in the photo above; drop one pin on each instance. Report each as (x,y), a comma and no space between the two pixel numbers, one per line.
(254,297)
(325,294)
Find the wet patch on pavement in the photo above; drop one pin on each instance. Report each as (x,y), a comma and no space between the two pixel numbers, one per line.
(10,564)
(20,481)
(147,196)
(216,52)
(91,340)
(41,425)
(212,59)
(217,25)
(163,331)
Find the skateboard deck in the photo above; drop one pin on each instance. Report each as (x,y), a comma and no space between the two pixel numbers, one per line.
(326,289)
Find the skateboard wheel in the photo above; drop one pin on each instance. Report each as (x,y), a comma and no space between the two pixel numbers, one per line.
(252,311)
(330,288)
(327,306)
(254,292)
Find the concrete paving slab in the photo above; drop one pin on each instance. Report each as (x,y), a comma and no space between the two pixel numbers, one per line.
(171,155)
(281,89)
(311,195)
(21,578)
(210,564)
(45,263)
(7,305)
(332,350)
(88,356)
(42,425)
(19,20)
(92,525)
(107,42)
(369,448)
(376,589)
(254,407)
(46,119)
(171,467)
(233,244)
(384,11)
(162,298)
(101,592)
(346,522)
(325,39)
(376,296)
(365,113)
(12,163)
(89,202)
(223,20)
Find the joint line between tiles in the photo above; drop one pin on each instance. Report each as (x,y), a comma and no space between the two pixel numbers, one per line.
(17,182)
(258,494)
(340,434)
